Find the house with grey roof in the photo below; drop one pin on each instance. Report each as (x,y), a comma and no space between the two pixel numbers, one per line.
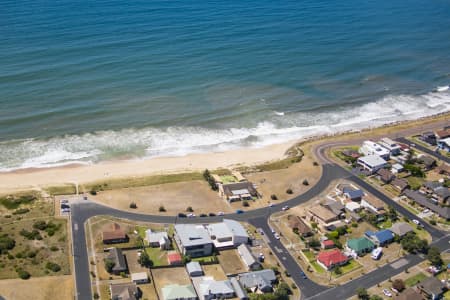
(194,269)
(227,234)
(400,184)
(116,256)
(420,199)
(124,291)
(401,228)
(262,280)
(193,240)
(241,294)
(238,191)
(211,289)
(157,239)
(432,288)
(247,257)
(179,292)
(372,163)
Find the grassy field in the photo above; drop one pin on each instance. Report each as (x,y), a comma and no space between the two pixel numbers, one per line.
(351,266)
(317,267)
(415,182)
(413,280)
(43,288)
(309,255)
(157,256)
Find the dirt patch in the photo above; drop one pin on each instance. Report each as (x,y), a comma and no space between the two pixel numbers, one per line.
(43,288)
(166,276)
(214,271)
(174,197)
(231,262)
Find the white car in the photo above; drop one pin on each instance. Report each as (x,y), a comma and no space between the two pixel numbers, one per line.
(276,235)
(286,207)
(271,204)
(220,213)
(387,293)
(191,215)
(426,211)
(416,222)
(272,230)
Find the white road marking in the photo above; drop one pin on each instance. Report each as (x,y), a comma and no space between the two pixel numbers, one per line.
(75,226)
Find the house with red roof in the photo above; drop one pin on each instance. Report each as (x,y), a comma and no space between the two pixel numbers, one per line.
(327,244)
(174,258)
(330,259)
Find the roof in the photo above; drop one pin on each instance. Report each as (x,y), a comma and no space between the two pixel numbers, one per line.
(375,148)
(116,255)
(246,255)
(328,243)
(385,174)
(260,279)
(332,257)
(360,244)
(432,184)
(192,235)
(139,276)
(155,237)
(194,267)
(422,200)
(401,228)
(442,192)
(124,291)
(352,206)
(427,160)
(400,183)
(176,291)
(442,134)
(353,194)
(225,233)
(372,160)
(322,213)
(432,285)
(236,228)
(444,168)
(114,232)
(397,166)
(382,236)
(238,176)
(239,187)
(174,257)
(209,286)
(409,294)
(240,292)
(389,143)
(335,206)
(297,222)
(375,202)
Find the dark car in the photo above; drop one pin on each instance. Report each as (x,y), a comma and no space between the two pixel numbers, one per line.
(212,214)
(203,215)
(239,211)
(181,215)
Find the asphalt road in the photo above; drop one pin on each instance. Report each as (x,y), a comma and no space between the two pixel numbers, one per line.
(424,149)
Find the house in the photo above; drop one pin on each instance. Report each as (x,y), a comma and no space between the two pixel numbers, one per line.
(444,144)
(140,278)
(327,244)
(352,206)
(336,207)
(157,239)
(194,269)
(369,148)
(428,137)
(372,163)
(241,294)
(124,291)
(360,246)
(427,161)
(238,191)
(400,184)
(351,153)
(209,289)
(380,238)
(401,228)
(409,294)
(397,168)
(428,187)
(116,256)
(258,280)
(297,224)
(193,240)
(385,176)
(174,259)
(432,288)
(227,234)
(247,257)
(352,194)
(442,194)
(114,235)
(179,292)
(322,215)
(374,205)
(442,134)
(393,147)
(330,259)
(420,199)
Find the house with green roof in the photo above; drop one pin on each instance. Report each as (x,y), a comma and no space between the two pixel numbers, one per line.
(179,292)
(360,246)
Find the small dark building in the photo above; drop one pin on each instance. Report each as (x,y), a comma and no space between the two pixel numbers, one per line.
(429,138)
(114,235)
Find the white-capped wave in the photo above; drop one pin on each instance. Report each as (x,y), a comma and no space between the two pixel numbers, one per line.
(135,143)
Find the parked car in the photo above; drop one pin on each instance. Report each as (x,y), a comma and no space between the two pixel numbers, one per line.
(239,211)
(387,293)
(276,235)
(272,230)
(181,215)
(426,211)
(286,207)
(271,204)
(303,275)
(191,215)
(212,214)
(220,213)
(203,215)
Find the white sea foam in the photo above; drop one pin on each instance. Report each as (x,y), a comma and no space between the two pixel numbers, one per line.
(279,113)
(135,143)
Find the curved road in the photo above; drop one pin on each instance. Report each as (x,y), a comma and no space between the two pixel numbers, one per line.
(83,210)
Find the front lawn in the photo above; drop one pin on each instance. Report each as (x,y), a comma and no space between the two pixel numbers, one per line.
(350,266)
(309,255)
(413,280)
(317,267)
(157,256)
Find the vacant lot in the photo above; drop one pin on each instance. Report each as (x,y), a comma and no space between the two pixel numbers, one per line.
(174,197)
(43,288)
(231,262)
(214,271)
(167,276)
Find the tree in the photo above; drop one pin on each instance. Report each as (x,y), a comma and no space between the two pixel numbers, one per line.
(337,270)
(392,213)
(362,293)
(6,243)
(305,182)
(162,209)
(109,265)
(53,266)
(375,297)
(414,170)
(23,274)
(283,291)
(245,203)
(398,284)
(133,205)
(314,243)
(289,191)
(434,256)
(189,209)
(273,197)
(412,243)
(144,260)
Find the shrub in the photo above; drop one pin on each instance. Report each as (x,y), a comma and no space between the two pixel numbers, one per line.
(20,211)
(133,205)
(13,203)
(6,243)
(96,295)
(289,191)
(53,266)
(273,197)
(23,274)
(433,222)
(315,163)
(109,264)
(337,270)
(245,203)
(93,192)
(54,248)
(398,284)
(189,209)
(305,182)
(31,235)
(162,209)
(41,225)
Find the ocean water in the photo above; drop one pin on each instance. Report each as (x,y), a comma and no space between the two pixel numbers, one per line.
(87,81)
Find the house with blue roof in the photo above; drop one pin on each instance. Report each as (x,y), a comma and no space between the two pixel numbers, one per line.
(354,195)
(380,238)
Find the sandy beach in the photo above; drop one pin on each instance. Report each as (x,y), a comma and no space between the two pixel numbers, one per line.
(27,179)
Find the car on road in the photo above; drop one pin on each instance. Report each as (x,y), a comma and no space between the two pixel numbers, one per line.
(212,214)
(387,293)
(271,204)
(239,211)
(220,213)
(303,275)
(191,215)
(181,215)
(272,230)
(261,232)
(426,211)
(276,235)
(286,207)
(417,223)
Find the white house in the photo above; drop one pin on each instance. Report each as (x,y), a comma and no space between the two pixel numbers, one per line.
(390,145)
(372,163)
(157,239)
(372,148)
(193,240)
(227,234)
(397,168)
(247,257)
(138,278)
(211,289)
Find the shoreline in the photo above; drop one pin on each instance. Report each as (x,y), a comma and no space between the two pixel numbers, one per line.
(38,178)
